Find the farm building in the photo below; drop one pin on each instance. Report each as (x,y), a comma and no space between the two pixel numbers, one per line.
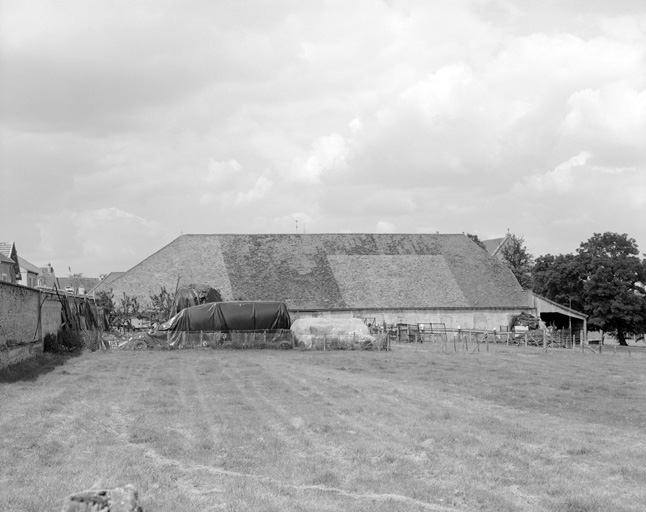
(391,278)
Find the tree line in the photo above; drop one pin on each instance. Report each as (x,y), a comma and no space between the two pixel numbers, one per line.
(605,279)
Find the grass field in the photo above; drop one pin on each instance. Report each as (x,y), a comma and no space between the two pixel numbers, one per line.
(514,429)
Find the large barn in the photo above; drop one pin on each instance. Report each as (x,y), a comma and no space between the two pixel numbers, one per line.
(393,278)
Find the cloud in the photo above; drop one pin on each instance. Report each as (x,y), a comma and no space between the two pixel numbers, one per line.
(259,191)
(110,238)
(385,227)
(610,117)
(221,170)
(473,115)
(559,180)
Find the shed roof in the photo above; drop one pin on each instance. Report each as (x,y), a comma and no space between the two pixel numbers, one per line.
(331,271)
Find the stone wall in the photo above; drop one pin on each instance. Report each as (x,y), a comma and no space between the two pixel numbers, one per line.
(21,331)
(18,314)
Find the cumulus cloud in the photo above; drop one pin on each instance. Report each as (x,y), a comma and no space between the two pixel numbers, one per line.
(559,180)
(259,191)
(613,115)
(402,115)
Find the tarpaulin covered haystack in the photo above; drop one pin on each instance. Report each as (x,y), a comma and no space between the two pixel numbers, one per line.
(252,324)
(194,295)
(230,316)
(313,333)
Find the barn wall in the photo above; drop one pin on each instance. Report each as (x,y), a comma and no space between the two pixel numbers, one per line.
(482,319)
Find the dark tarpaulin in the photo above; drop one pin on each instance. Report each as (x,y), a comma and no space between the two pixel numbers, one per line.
(194,295)
(230,316)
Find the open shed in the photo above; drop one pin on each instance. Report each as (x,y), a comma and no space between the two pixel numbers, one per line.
(562,317)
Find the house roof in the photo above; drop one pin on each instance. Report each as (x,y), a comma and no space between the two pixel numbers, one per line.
(28,266)
(78,282)
(331,271)
(103,284)
(8,249)
(4,259)
(48,276)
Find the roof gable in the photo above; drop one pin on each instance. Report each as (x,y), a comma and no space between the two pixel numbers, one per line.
(8,249)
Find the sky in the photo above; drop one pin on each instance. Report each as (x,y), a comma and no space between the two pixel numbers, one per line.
(126,124)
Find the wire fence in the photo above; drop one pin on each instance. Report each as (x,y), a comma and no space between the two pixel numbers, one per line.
(436,337)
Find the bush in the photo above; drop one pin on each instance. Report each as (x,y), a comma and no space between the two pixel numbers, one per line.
(63,341)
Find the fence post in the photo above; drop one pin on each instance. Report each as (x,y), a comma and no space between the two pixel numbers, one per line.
(545,340)
(525,338)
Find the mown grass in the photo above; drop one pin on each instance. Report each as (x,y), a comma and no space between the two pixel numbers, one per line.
(514,429)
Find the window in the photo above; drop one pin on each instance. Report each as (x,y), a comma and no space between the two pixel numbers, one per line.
(5,277)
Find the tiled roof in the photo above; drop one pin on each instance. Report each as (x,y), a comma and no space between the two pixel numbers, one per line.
(28,266)
(8,249)
(78,282)
(331,271)
(5,248)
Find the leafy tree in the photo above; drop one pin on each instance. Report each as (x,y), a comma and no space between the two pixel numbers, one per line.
(161,305)
(614,285)
(126,309)
(605,279)
(475,239)
(519,261)
(561,279)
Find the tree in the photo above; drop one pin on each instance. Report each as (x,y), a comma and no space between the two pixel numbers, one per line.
(475,239)
(126,309)
(615,298)
(519,261)
(161,305)
(105,300)
(561,279)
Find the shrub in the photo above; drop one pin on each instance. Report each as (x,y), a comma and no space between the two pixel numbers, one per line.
(65,340)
